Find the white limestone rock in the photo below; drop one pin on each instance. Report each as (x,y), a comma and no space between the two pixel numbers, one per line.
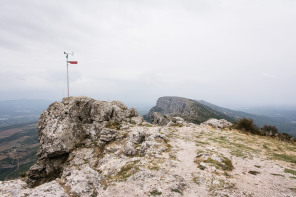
(159,119)
(137,120)
(18,188)
(222,124)
(82,182)
(74,122)
(108,135)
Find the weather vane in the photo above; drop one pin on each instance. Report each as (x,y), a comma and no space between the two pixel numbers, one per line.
(71,62)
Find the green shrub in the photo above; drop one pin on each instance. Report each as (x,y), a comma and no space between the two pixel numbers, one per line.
(285,137)
(270,130)
(247,125)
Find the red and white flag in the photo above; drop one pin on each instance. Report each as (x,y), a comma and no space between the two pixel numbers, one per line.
(73,62)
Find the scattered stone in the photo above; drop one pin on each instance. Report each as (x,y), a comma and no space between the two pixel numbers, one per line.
(159,119)
(137,120)
(222,124)
(81,182)
(108,135)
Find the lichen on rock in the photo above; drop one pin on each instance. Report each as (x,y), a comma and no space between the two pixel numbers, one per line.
(222,124)
(74,122)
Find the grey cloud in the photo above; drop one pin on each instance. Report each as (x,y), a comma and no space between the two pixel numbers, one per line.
(227,52)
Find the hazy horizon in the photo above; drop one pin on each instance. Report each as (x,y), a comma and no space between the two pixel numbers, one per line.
(230,53)
(151,104)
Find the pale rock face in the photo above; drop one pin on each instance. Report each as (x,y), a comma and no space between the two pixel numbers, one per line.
(218,123)
(137,120)
(159,119)
(51,189)
(18,188)
(146,124)
(74,122)
(141,140)
(64,125)
(12,188)
(81,182)
(177,121)
(168,106)
(162,120)
(108,135)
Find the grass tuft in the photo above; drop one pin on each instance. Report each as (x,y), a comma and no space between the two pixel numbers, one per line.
(226,163)
(176,190)
(126,171)
(253,172)
(155,193)
(284,157)
(290,171)
(278,175)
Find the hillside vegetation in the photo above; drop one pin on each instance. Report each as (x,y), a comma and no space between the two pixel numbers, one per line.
(18,147)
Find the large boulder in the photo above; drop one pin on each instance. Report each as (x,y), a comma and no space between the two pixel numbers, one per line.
(222,124)
(159,119)
(74,122)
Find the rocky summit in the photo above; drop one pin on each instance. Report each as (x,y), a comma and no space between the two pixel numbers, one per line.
(99,148)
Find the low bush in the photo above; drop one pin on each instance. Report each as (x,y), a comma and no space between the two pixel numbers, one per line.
(286,137)
(270,130)
(247,125)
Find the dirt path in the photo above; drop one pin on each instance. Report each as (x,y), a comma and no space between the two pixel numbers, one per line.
(184,164)
(186,156)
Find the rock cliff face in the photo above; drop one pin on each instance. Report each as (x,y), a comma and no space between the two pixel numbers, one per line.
(73,123)
(98,148)
(189,110)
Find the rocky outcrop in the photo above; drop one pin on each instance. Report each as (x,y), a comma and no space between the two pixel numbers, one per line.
(163,120)
(84,142)
(190,110)
(222,124)
(72,123)
(158,119)
(144,140)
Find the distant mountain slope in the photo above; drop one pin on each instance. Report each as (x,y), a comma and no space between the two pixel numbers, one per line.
(21,111)
(283,125)
(260,120)
(198,111)
(283,113)
(188,109)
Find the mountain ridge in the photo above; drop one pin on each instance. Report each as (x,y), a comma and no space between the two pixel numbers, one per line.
(188,109)
(174,104)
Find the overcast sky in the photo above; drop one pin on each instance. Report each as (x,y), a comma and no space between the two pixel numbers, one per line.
(228,52)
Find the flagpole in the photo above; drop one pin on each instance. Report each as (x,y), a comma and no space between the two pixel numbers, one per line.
(67,75)
(71,62)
